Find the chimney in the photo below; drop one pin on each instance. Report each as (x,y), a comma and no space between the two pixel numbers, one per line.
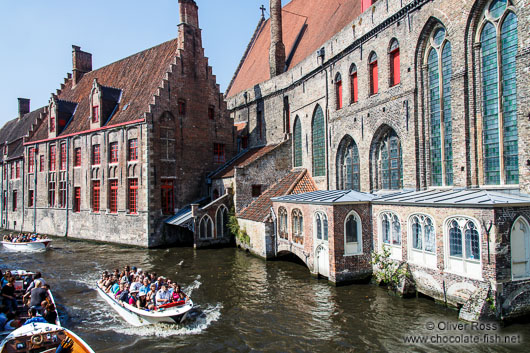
(81,62)
(189,13)
(23,107)
(277,49)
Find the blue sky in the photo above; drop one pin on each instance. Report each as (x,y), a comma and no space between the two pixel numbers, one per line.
(36,39)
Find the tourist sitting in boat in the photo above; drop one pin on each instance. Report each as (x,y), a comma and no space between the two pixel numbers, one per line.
(178,295)
(36,277)
(133,298)
(3,317)
(151,297)
(33,317)
(145,288)
(8,295)
(50,314)
(162,295)
(136,283)
(141,303)
(37,295)
(123,295)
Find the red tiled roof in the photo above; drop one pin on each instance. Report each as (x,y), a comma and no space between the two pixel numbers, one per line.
(306,184)
(250,156)
(137,76)
(323,19)
(259,209)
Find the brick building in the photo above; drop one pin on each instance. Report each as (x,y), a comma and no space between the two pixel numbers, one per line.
(416,109)
(118,150)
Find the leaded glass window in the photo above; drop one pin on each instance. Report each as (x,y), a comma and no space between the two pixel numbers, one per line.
(351,229)
(464,239)
(423,235)
(390,164)
(499,115)
(439,69)
(282,217)
(348,171)
(297,142)
(455,239)
(321,226)
(391,229)
(472,241)
(319,140)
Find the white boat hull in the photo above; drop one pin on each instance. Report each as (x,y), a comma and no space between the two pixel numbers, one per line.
(137,317)
(42,329)
(39,245)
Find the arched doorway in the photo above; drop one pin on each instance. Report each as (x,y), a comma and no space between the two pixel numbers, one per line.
(520,244)
(322,260)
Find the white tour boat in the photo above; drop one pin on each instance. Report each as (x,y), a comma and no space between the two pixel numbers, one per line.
(37,245)
(141,317)
(45,338)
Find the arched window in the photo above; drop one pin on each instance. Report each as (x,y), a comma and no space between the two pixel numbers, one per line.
(422,240)
(391,233)
(395,71)
(321,226)
(348,171)
(354,86)
(389,162)
(374,79)
(520,249)
(464,246)
(439,61)
(297,142)
(319,143)
(221,218)
(353,234)
(498,39)
(298,226)
(282,223)
(338,90)
(206,228)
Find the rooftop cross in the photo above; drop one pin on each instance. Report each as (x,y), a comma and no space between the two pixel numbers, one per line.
(263,9)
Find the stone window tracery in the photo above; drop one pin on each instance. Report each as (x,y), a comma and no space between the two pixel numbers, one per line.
(221,218)
(498,50)
(439,61)
(464,246)
(352,234)
(348,165)
(389,162)
(321,226)
(298,226)
(297,142)
(282,223)
(319,143)
(206,228)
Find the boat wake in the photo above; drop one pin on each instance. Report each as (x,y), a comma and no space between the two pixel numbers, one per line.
(198,321)
(193,286)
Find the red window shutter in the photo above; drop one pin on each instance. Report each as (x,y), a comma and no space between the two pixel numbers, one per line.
(114,152)
(63,156)
(31,161)
(133,150)
(167,197)
(77,199)
(133,196)
(95,195)
(396,74)
(18,169)
(366,4)
(113,196)
(30,198)
(374,76)
(52,124)
(95,114)
(77,161)
(41,167)
(52,157)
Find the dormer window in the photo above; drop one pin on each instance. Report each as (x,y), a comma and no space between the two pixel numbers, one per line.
(95,114)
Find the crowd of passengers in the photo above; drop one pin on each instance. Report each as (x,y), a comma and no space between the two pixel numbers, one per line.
(141,289)
(36,304)
(23,237)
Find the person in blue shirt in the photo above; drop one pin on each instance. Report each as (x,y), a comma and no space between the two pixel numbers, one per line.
(3,317)
(33,318)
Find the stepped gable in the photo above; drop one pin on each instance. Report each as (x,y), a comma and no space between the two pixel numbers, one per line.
(136,78)
(244,159)
(294,182)
(14,130)
(307,25)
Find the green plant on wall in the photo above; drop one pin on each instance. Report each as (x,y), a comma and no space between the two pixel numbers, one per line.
(388,272)
(235,230)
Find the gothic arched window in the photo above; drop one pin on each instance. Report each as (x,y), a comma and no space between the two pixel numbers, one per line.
(319,143)
(338,90)
(498,43)
(374,75)
(297,142)
(348,171)
(389,162)
(395,70)
(439,61)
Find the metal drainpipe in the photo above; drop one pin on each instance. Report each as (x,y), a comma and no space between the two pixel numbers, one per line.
(67,183)
(2,196)
(327,132)
(23,194)
(34,190)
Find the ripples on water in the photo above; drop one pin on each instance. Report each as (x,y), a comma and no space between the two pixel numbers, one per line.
(244,305)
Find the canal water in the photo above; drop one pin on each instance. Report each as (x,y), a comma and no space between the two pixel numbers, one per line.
(246,305)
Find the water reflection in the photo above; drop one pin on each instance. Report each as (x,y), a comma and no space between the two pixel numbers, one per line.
(245,304)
